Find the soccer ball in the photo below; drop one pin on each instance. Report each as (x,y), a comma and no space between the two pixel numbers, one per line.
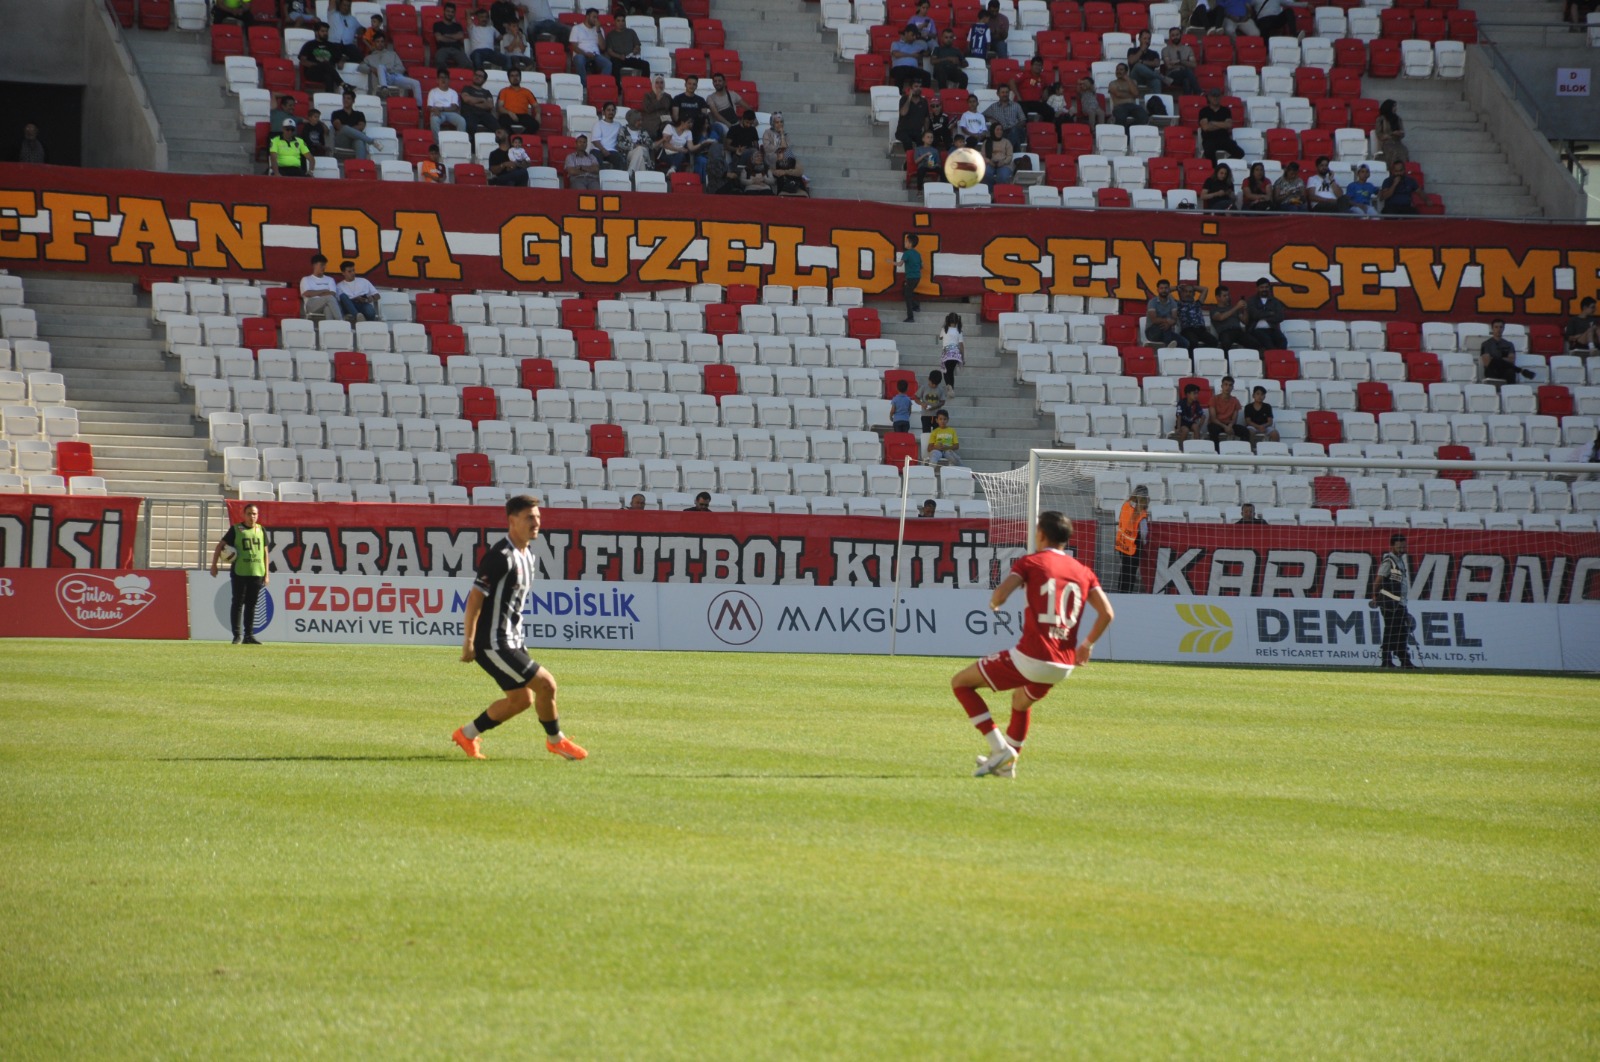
(964,168)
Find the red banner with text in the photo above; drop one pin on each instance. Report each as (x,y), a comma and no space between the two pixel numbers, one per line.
(1230,560)
(475,238)
(646,547)
(93,604)
(53,531)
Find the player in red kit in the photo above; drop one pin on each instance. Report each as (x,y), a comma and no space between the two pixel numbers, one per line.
(1057,587)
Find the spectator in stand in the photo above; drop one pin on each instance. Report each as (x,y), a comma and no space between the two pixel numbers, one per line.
(502,171)
(744,140)
(657,107)
(1247,514)
(233,11)
(319,61)
(679,150)
(1583,331)
(757,179)
(1224,416)
(972,123)
(1126,110)
(350,128)
(287,154)
(1289,191)
(923,22)
(283,112)
(319,293)
(1144,66)
(933,398)
(1499,357)
(431,169)
(1265,313)
(952,349)
(944,445)
(582,168)
(370,35)
(344,31)
(543,24)
(928,509)
(444,105)
(905,59)
(518,152)
(1008,114)
(1161,317)
(299,14)
(477,105)
(1028,88)
(999,30)
(588,46)
(31,150)
(775,141)
(1391,134)
(1362,193)
(1216,129)
(702,503)
(315,132)
(1576,12)
(1228,320)
(1326,195)
(635,503)
(940,124)
(949,62)
(1258,418)
(1192,316)
(1178,64)
(515,48)
(633,143)
(1397,192)
(483,43)
(357,296)
(386,71)
(516,109)
(603,139)
(1237,18)
(504,12)
(689,103)
(1192,416)
(791,178)
(927,163)
(1088,108)
(449,39)
(622,48)
(900,407)
(913,117)
(1218,193)
(1257,191)
(723,107)
(999,156)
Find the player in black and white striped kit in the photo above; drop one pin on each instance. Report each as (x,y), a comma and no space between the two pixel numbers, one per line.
(494,635)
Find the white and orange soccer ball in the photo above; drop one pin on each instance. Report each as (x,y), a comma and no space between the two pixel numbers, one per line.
(964,168)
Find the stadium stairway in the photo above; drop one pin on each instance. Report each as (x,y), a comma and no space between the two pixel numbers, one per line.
(198,119)
(131,405)
(1517,22)
(992,413)
(1464,163)
(788,54)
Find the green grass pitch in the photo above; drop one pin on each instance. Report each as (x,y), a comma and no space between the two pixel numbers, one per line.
(221,852)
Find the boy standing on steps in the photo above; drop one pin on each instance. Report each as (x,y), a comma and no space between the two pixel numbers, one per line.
(911,262)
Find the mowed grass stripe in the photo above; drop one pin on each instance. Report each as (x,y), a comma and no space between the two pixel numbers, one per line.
(207,850)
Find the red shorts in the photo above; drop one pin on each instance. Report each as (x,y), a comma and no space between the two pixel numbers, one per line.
(1001,674)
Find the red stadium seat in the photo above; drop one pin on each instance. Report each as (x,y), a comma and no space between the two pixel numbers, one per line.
(259,332)
(432,307)
(1403,336)
(1196,172)
(1283,145)
(1252,51)
(550,57)
(1099,17)
(1363,113)
(1350,54)
(1330,492)
(1463,26)
(578,313)
(599,90)
(447,340)
(278,75)
(1314,143)
(468,173)
(891,378)
(360,170)
(402,112)
(537,374)
(741,295)
(472,470)
(607,441)
(709,33)
(1309,82)
(1332,114)
(1383,58)
(1430,26)
(1138,362)
(1052,45)
(1177,142)
(1217,50)
(1555,401)
(634,90)
(1112,197)
(478,404)
(1122,330)
(721,319)
(1066,15)
(1280,365)
(1374,397)
(861,322)
(559,147)
(1085,46)
(1323,426)
(411,49)
(282,302)
(720,381)
(1545,340)
(1133,19)
(414,144)
(1455,453)
(1042,138)
(350,366)
(689,62)
(688,183)
(226,39)
(1008,195)
(871,70)
(1423,367)
(898,446)
(1396,24)
(264,42)
(1076,140)
(995,303)
(593,344)
(1163,174)
(401,18)
(74,459)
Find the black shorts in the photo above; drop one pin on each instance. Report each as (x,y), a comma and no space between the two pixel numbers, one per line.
(511,668)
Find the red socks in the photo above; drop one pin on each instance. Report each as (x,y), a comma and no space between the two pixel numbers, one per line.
(1017,731)
(976,709)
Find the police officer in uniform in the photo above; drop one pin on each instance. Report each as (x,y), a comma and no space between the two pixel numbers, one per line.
(1389,589)
(248,540)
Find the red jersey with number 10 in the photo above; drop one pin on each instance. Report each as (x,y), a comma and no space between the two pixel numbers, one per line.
(1057,587)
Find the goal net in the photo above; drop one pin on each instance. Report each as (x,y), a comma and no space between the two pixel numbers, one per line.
(1300,537)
